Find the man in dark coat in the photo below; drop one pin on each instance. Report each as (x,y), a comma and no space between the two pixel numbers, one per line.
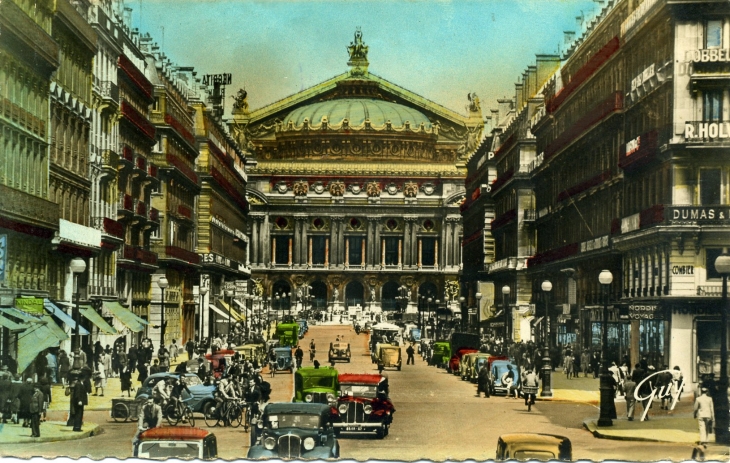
(595,363)
(190,348)
(410,351)
(79,399)
(132,357)
(484,380)
(36,408)
(25,395)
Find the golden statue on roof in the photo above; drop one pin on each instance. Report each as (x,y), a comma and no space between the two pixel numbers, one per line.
(358,54)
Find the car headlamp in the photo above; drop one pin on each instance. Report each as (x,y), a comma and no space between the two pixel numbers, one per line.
(308,398)
(342,408)
(308,443)
(368,409)
(330,397)
(269,443)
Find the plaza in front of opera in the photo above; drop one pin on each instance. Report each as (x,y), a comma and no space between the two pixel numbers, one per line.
(151,215)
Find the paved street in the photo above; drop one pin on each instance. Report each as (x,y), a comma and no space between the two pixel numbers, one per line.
(437,418)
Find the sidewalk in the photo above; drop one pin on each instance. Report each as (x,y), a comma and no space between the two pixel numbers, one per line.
(51,431)
(674,426)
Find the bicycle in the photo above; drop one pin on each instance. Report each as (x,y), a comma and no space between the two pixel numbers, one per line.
(177,411)
(251,417)
(230,413)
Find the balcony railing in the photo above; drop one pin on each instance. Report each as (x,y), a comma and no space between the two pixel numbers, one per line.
(175,252)
(154,215)
(137,253)
(108,226)
(141,208)
(185,211)
(138,120)
(141,163)
(109,160)
(152,170)
(709,290)
(109,91)
(126,203)
(128,154)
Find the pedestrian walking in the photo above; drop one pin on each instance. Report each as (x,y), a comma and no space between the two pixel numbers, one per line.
(52,367)
(585,360)
(298,355)
(64,366)
(629,390)
(410,351)
(190,348)
(164,356)
(45,386)
(125,380)
(595,362)
(704,411)
(484,380)
(143,372)
(174,350)
(664,381)
(312,351)
(677,383)
(79,398)
(100,376)
(25,395)
(568,365)
(36,408)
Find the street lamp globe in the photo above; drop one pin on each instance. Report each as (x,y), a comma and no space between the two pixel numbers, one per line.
(203,291)
(722,264)
(546,286)
(229,293)
(162,282)
(462,299)
(479,295)
(78,265)
(505,289)
(605,277)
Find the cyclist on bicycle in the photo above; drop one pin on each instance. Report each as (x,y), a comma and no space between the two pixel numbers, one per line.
(253,397)
(224,393)
(178,386)
(162,390)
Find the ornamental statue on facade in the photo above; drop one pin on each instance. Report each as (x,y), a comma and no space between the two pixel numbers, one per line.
(474,106)
(300,188)
(373,189)
(337,188)
(240,103)
(358,55)
(410,190)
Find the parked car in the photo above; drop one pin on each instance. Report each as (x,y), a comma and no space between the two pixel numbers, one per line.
(389,356)
(303,327)
(284,359)
(295,431)
(441,354)
(533,446)
(253,352)
(201,395)
(455,360)
(339,351)
(178,442)
(360,407)
(500,369)
(318,385)
(288,334)
(471,363)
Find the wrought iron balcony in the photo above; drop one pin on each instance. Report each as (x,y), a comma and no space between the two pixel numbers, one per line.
(108,226)
(109,92)
(126,205)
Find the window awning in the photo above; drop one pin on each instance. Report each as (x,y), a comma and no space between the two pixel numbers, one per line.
(243,307)
(537,320)
(95,318)
(219,312)
(126,316)
(229,309)
(19,314)
(37,338)
(63,316)
(11,325)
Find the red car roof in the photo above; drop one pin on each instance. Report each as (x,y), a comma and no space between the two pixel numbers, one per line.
(359,378)
(174,433)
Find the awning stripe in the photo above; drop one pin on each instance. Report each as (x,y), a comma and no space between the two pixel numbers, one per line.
(95,318)
(243,307)
(229,309)
(126,316)
(218,311)
(11,325)
(36,339)
(63,316)
(17,313)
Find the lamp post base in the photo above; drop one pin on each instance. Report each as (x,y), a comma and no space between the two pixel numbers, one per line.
(607,404)
(547,370)
(722,421)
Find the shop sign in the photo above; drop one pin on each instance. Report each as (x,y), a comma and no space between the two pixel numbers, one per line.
(683,270)
(496,324)
(213,258)
(32,305)
(711,55)
(235,232)
(222,79)
(636,15)
(657,392)
(594,244)
(706,130)
(630,223)
(205,281)
(695,310)
(3,256)
(694,214)
(633,146)
(643,76)
(645,312)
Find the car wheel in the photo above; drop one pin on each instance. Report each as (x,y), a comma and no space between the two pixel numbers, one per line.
(398,367)
(380,433)
(120,412)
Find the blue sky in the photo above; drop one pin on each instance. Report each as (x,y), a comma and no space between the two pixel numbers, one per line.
(441,50)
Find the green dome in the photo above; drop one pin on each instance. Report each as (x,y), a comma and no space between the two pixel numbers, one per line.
(356,111)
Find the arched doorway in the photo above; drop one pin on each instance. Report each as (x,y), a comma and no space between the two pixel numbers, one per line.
(388,296)
(354,294)
(319,291)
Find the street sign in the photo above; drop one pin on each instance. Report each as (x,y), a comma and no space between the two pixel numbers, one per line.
(229,286)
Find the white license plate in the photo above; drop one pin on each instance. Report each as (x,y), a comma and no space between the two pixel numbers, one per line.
(353,428)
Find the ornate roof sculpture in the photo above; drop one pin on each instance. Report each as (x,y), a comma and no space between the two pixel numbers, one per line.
(354,118)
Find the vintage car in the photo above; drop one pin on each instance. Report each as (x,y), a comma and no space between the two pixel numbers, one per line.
(470,365)
(201,395)
(388,356)
(415,334)
(318,385)
(360,407)
(220,361)
(384,333)
(181,443)
(339,351)
(303,327)
(253,352)
(455,360)
(533,446)
(295,431)
(284,360)
(441,354)
(500,371)
(288,334)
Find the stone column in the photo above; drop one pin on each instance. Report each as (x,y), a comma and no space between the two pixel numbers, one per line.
(265,257)
(255,242)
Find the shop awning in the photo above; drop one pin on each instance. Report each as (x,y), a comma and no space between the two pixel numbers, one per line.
(37,338)
(537,320)
(63,316)
(243,307)
(126,316)
(219,311)
(11,325)
(229,309)
(19,314)
(95,318)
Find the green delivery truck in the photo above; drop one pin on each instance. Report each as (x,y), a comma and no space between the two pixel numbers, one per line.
(288,334)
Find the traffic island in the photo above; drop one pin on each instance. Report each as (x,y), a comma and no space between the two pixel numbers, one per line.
(51,431)
(678,430)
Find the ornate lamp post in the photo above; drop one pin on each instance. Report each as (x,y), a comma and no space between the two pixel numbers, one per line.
(421,304)
(722,436)
(478,296)
(428,309)
(439,326)
(78,266)
(201,295)
(505,304)
(163,284)
(607,404)
(462,300)
(546,363)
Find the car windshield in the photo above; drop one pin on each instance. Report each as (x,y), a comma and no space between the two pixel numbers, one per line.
(318,381)
(185,450)
(283,353)
(541,455)
(293,421)
(358,390)
(193,380)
